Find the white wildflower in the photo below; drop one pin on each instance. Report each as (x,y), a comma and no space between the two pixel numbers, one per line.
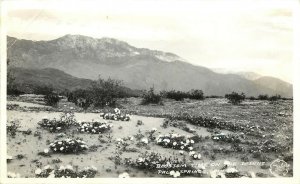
(176,174)
(199,156)
(124,175)
(47,167)
(231,170)
(145,140)
(191,153)
(38,171)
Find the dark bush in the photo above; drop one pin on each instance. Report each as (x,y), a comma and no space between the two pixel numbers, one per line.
(105,92)
(196,94)
(180,95)
(81,98)
(151,98)
(12,90)
(11,85)
(176,95)
(235,98)
(12,128)
(51,99)
(252,98)
(213,96)
(275,98)
(263,97)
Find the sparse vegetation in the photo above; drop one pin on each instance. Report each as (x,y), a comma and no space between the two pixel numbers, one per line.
(151,98)
(51,99)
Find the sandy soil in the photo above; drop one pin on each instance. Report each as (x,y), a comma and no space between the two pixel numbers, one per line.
(29,145)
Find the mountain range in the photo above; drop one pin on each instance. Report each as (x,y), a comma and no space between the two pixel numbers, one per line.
(81,58)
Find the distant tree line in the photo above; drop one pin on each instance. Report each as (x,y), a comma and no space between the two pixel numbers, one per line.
(180,95)
(267,97)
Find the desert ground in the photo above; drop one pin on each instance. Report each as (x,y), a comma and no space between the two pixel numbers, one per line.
(262,133)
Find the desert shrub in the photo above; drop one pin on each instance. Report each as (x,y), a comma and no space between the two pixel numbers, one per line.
(176,95)
(180,95)
(275,98)
(116,117)
(213,96)
(94,127)
(151,98)
(252,98)
(230,138)
(65,121)
(51,99)
(263,97)
(196,94)
(175,141)
(12,128)
(105,92)
(68,146)
(11,84)
(65,172)
(235,98)
(82,98)
(13,91)
(208,122)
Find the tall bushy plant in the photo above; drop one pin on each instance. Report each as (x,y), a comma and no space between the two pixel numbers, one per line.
(275,98)
(263,97)
(151,98)
(105,92)
(196,94)
(235,98)
(81,98)
(176,95)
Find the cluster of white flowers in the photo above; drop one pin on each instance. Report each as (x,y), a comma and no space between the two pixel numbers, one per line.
(154,129)
(194,155)
(175,141)
(124,175)
(145,140)
(120,141)
(65,172)
(115,116)
(68,146)
(175,174)
(94,127)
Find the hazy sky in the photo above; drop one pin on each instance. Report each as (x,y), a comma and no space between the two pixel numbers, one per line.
(239,35)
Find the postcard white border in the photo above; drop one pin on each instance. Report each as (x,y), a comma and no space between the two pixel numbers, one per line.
(296,87)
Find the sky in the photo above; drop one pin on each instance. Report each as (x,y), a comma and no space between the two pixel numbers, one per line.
(234,35)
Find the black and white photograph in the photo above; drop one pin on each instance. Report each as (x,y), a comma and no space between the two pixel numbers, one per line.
(148,89)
